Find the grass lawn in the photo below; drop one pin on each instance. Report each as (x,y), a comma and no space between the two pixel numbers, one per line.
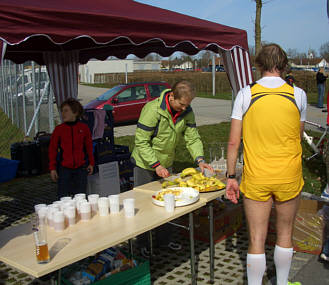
(314,171)
(9,134)
(312,98)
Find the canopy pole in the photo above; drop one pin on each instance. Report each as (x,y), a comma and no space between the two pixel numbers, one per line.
(213,75)
(16,103)
(34,99)
(23,98)
(11,94)
(36,111)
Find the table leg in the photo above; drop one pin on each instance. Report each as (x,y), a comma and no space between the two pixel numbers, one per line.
(211,241)
(151,243)
(130,243)
(191,226)
(59,277)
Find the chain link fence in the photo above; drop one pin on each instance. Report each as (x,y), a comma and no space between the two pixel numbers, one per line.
(26,103)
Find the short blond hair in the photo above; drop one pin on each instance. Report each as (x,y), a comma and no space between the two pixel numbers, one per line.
(183,88)
(271,57)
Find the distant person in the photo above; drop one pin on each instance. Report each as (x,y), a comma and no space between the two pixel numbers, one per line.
(289,78)
(320,81)
(270,115)
(72,139)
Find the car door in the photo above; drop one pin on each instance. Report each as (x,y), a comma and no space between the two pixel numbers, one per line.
(129,103)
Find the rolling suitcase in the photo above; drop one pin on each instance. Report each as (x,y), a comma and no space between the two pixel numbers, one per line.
(28,154)
(43,140)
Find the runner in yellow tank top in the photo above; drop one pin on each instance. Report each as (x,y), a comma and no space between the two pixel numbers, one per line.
(272,149)
(271,123)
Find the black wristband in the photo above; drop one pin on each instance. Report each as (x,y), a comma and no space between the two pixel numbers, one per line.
(201,161)
(230,176)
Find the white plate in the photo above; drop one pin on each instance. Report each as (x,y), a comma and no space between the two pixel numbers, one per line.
(188,196)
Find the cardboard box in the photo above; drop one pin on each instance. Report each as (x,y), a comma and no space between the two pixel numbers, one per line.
(228,218)
(308,230)
(106,181)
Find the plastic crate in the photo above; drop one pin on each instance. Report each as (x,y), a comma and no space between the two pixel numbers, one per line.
(139,275)
(8,169)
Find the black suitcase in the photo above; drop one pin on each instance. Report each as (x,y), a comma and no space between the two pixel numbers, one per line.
(43,141)
(28,153)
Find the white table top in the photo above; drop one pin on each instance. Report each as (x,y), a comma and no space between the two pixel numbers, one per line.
(86,238)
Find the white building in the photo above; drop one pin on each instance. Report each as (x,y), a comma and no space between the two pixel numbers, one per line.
(147,65)
(323,63)
(87,71)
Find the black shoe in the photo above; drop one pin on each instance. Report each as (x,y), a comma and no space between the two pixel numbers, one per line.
(325,111)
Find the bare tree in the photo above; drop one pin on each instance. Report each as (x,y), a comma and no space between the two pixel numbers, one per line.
(292,53)
(324,51)
(258,30)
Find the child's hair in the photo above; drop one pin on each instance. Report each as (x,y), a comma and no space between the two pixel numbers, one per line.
(75,106)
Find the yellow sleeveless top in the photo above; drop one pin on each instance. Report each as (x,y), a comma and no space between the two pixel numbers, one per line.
(271,136)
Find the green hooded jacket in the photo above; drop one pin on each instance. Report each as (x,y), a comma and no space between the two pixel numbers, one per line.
(157,136)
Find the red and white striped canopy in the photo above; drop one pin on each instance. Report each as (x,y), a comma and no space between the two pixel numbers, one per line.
(31,30)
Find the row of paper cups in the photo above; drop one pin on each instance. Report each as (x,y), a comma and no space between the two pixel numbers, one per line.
(66,211)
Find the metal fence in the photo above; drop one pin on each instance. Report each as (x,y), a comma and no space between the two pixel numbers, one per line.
(27,99)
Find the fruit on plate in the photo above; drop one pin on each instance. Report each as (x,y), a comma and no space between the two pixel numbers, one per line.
(160,195)
(188,171)
(167,183)
(203,184)
(196,180)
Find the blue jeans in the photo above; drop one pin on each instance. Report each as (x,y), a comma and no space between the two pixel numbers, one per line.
(325,249)
(320,95)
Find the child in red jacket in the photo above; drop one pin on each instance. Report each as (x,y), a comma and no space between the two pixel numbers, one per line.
(73,139)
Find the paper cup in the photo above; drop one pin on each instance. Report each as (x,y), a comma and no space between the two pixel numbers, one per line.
(129,207)
(114,204)
(58,218)
(69,213)
(103,206)
(50,214)
(85,211)
(93,200)
(169,202)
(38,207)
(59,204)
(42,215)
(66,198)
(80,195)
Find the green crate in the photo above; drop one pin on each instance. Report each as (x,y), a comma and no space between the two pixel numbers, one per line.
(139,275)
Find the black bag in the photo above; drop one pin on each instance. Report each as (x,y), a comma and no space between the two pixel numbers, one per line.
(43,141)
(28,153)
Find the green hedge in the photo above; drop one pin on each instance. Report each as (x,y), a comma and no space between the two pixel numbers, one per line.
(202,80)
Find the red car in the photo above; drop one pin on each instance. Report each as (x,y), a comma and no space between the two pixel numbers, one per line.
(128,100)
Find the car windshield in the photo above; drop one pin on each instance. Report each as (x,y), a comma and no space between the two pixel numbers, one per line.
(108,94)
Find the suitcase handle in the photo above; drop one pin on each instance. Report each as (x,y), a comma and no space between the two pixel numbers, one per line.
(40,134)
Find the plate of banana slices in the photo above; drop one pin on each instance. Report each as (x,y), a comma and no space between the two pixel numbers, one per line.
(191,177)
(183,196)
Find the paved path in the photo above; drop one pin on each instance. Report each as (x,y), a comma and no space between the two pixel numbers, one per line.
(207,111)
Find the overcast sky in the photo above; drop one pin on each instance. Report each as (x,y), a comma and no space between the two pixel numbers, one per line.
(296,24)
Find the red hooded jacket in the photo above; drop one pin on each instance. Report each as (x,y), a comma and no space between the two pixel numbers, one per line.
(74,141)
